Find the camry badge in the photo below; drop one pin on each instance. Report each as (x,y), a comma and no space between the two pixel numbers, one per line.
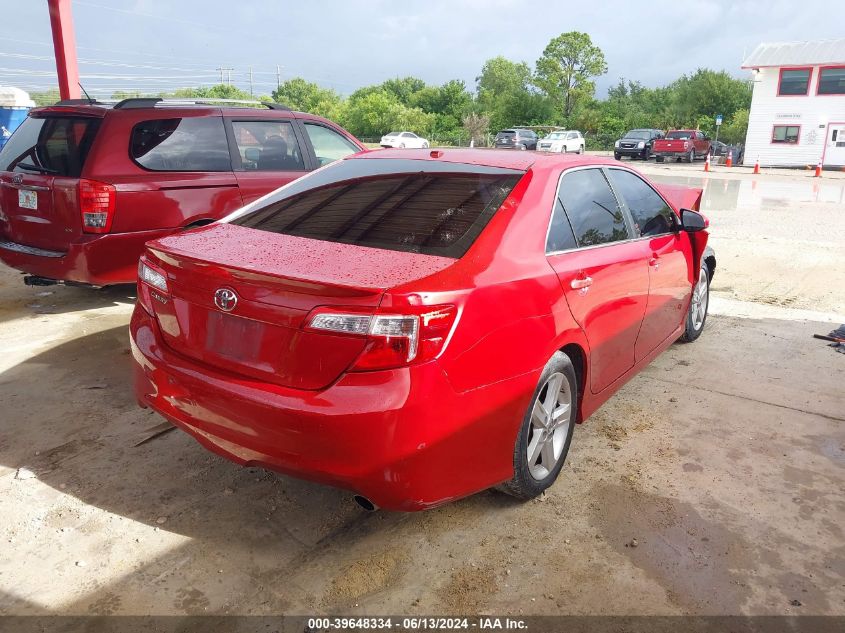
(225,299)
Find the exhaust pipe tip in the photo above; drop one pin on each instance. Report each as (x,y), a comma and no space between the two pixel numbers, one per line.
(365,503)
(35,280)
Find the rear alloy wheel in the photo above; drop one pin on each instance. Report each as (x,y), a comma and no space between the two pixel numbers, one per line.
(425,145)
(401,145)
(546,431)
(697,313)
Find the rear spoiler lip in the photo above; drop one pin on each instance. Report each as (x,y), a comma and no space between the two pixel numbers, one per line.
(681,196)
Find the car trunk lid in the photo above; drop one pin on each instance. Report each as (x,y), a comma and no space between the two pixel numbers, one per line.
(277,280)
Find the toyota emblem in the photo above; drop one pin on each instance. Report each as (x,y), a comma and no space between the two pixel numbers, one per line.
(225,299)
(17,179)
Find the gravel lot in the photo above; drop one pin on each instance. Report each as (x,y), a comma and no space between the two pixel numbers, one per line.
(711,484)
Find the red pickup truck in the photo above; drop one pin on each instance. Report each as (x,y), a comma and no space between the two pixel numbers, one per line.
(682,144)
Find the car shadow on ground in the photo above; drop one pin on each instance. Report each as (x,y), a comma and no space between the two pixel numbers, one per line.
(21,301)
(75,424)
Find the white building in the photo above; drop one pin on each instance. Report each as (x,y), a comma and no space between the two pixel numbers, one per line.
(797,113)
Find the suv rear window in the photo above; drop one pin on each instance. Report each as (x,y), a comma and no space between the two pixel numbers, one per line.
(52,145)
(403,205)
(189,144)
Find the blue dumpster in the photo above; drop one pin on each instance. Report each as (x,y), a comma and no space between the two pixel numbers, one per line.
(14,104)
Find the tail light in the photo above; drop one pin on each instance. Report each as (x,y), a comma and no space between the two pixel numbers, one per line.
(152,284)
(393,340)
(96,203)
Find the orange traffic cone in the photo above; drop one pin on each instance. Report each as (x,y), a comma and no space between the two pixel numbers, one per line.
(757,166)
(730,161)
(707,162)
(818,173)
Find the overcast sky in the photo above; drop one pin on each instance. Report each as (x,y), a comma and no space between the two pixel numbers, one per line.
(163,44)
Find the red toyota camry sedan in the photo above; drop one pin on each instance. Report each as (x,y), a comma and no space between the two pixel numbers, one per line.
(416,326)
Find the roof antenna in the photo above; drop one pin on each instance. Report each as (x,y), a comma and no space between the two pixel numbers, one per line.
(90,100)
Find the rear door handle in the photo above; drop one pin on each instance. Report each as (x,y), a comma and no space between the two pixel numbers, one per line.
(580,283)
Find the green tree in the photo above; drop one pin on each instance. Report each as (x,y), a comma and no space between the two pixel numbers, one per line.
(708,93)
(500,76)
(48,97)
(403,88)
(735,129)
(567,67)
(306,96)
(220,91)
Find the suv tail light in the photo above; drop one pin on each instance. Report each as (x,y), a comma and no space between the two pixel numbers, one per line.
(393,340)
(152,284)
(96,203)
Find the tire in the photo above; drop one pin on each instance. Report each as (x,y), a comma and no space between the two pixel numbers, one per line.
(530,479)
(697,312)
(646,154)
(401,145)
(691,157)
(425,145)
(580,149)
(617,156)
(659,159)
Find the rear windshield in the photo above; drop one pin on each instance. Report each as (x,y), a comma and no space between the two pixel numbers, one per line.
(57,146)
(414,206)
(679,136)
(506,134)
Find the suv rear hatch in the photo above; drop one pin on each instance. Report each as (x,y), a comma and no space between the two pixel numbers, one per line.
(40,169)
(337,239)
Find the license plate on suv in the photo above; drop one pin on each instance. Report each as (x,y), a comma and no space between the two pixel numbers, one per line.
(27,199)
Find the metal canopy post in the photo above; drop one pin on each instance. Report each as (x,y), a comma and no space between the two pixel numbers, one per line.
(64,43)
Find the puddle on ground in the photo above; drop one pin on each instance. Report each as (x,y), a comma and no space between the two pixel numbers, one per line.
(720,193)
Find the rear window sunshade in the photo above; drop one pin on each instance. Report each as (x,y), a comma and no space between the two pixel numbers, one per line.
(405,205)
(57,146)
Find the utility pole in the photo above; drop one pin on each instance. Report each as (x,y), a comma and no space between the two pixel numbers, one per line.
(250,81)
(278,77)
(228,72)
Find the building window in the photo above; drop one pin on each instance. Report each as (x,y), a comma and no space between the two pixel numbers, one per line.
(786,134)
(794,81)
(832,81)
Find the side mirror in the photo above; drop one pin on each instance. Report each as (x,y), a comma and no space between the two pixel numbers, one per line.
(693,221)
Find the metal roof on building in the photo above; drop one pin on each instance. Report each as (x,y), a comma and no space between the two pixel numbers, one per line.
(797,53)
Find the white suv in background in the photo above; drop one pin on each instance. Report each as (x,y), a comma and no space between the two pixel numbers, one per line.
(562,141)
(403,140)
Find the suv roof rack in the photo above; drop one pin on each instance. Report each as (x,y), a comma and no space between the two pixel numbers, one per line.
(151,102)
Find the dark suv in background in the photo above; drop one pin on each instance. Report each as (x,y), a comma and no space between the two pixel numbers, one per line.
(516,139)
(636,144)
(83,185)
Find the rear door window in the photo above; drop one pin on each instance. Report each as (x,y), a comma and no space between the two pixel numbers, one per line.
(650,212)
(267,146)
(398,205)
(55,146)
(329,145)
(184,144)
(592,208)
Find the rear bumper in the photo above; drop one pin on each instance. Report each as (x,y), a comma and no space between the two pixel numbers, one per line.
(402,438)
(99,260)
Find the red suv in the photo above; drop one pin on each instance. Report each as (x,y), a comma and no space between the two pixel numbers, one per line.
(83,185)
